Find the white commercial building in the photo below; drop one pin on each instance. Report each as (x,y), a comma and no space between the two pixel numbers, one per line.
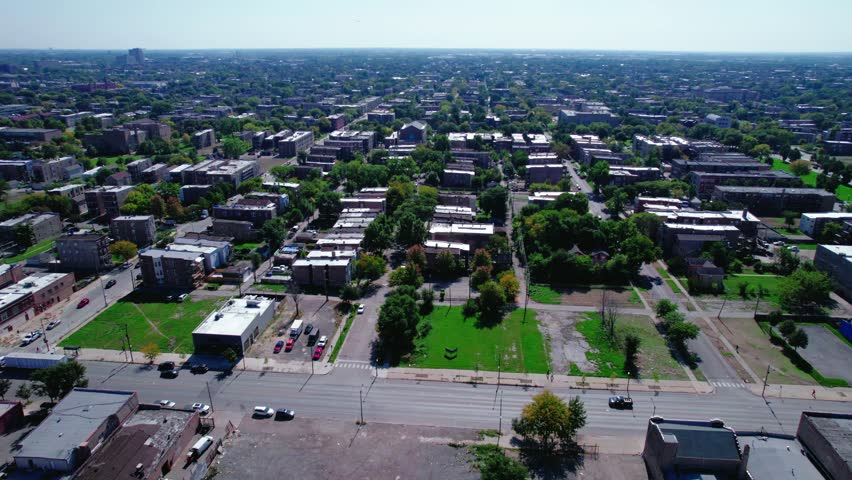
(236,325)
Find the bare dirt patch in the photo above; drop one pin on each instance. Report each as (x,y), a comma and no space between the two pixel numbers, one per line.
(590,296)
(567,345)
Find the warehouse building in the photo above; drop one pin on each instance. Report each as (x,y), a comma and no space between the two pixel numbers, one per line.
(236,325)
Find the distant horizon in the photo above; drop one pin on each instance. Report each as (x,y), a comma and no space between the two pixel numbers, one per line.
(724,26)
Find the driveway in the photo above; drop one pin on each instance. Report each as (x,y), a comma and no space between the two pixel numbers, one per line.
(827,353)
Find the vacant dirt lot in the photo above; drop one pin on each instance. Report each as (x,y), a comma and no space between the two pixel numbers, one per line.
(623,297)
(329,449)
(567,345)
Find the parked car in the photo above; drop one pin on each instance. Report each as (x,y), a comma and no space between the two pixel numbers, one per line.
(170,373)
(166,366)
(166,403)
(125,266)
(284,414)
(201,408)
(322,341)
(182,297)
(291,342)
(360,309)
(308,328)
(83,303)
(261,411)
(170,298)
(278,346)
(621,402)
(199,368)
(53,324)
(110,283)
(318,352)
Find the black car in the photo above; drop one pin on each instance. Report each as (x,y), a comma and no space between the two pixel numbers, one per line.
(166,366)
(284,414)
(110,283)
(308,328)
(199,368)
(620,402)
(169,373)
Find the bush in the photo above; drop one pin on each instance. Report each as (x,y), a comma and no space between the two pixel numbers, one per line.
(787,327)
(470,309)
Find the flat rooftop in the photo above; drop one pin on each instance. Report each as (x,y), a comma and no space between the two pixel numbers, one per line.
(462,228)
(233,318)
(778,459)
(74,419)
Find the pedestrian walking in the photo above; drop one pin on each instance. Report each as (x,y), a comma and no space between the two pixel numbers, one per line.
(813,393)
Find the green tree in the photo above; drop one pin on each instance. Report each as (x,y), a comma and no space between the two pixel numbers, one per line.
(427,301)
(804,289)
(798,339)
(599,174)
(616,203)
(230,355)
(481,258)
(680,332)
(665,306)
(789,217)
(444,264)
(787,327)
(349,293)
(800,167)
(411,231)
(151,352)
(406,275)
(378,236)
(24,235)
(549,422)
(58,380)
(795,155)
(328,203)
(494,201)
(830,232)
(631,351)
(274,232)
(5,385)
(233,147)
(479,276)
(510,285)
(157,207)
(493,464)
(491,299)
(370,267)
(397,324)
(124,249)
(417,256)
(24,392)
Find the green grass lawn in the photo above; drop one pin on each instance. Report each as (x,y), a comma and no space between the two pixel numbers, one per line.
(518,343)
(348,325)
(668,279)
(806,246)
(38,248)
(174,324)
(770,282)
(654,354)
(544,294)
(246,246)
(112,160)
(809,179)
(844,193)
(271,287)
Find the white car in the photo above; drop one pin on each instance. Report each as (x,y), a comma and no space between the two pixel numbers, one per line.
(166,403)
(53,324)
(201,408)
(262,411)
(182,297)
(360,309)
(322,341)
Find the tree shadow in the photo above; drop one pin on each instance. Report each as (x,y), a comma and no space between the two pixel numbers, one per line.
(551,465)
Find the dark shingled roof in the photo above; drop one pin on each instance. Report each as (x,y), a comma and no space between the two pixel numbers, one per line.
(696,441)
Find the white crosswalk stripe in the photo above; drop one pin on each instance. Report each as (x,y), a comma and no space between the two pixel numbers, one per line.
(728,384)
(358,365)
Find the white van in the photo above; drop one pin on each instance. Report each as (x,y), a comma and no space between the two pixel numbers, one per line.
(296,328)
(200,447)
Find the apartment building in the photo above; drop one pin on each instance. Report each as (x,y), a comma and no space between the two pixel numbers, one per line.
(211,172)
(17,170)
(136,167)
(204,139)
(84,251)
(705,182)
(139,229)
(771,201)
(172,269)
(297,142)
(547,173)
(107,200)
(44,226)
(256,211)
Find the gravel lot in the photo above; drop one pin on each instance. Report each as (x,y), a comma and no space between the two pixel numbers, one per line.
(318,449)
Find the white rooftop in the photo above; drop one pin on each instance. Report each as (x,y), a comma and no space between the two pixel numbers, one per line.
(233,318)
(462,228)
(440,244)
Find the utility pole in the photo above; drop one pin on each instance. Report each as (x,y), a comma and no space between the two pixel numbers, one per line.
(765,381)
(44,332)
(719,315)
(129,345)
(500,422)
(361,397)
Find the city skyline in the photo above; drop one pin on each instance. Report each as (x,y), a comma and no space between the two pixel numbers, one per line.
(617,25)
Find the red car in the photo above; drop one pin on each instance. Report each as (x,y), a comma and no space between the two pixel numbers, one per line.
(278,346)
(291,342)
(318,353)
(83,303)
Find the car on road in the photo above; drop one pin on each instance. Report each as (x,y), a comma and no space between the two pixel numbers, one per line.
(262,411)
(360,309)
(182,297)
(110,283)
(53,324)
(620,402)
(27,339)
(173,373)
(318,352)
(166,403)
(291,342)
(201,408)
(278,346)
(125,266)
(198,368)
(166,366)
(308,328)
(322,341)
(170,298)
(285,414)
(83,303)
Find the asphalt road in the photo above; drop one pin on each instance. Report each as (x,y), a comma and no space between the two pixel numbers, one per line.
(336,396)
(596,204)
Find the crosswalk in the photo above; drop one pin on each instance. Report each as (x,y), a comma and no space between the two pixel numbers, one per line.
(353,364)
(722,384)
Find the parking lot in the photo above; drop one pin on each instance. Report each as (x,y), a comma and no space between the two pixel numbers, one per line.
(827,353)
(314,310)
(304,448)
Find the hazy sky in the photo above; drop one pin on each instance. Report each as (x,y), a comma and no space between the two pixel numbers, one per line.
(670,25)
